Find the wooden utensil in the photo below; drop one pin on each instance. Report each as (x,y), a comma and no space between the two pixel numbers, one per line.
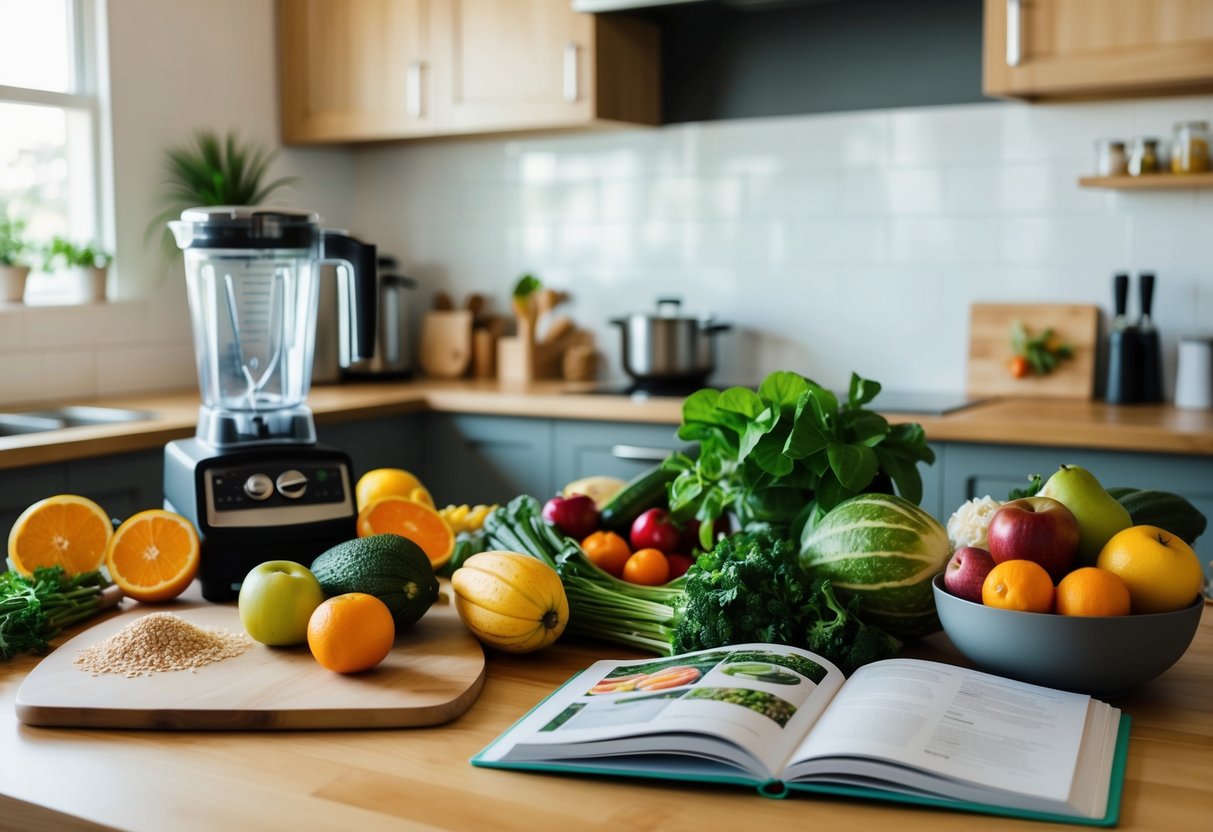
(990,349)
(433,674)
(443,302)
(446,343)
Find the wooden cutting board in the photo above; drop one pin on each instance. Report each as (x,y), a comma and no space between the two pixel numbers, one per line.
(433,674)
(990,349)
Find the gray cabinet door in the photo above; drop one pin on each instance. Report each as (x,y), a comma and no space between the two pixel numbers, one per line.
(486,459)
(615,449)
(122,485)
(977,470)
(22,487)
(390,442)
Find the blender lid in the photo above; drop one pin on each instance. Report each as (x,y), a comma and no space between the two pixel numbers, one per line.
(245,226)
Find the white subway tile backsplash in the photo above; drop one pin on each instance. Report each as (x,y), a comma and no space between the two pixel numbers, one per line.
(826,240)
(939,135)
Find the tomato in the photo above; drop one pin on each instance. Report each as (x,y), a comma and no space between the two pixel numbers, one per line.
(654,529)
(608,551)
(679,564)
(648,567)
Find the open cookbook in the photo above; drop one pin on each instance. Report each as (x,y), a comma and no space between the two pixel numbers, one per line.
(782,719)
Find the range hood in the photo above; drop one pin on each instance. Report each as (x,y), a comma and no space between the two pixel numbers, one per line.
(595,6)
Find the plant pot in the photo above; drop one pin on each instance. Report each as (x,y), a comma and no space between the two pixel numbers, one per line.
(90,282)
(12,283)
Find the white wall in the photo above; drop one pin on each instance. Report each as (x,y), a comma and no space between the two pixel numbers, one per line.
(174,68)
(833,243)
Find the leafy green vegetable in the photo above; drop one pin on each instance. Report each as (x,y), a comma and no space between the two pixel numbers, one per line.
(33,610)
(840,635)
(783,456)
(750,588)
(1043,352)
(1035,483)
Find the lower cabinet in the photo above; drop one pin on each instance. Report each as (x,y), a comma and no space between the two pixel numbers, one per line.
(486,459)
(390,442)
(613,449)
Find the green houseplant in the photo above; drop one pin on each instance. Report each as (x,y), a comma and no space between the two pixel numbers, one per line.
(88,265)
(209,169)
(13,268)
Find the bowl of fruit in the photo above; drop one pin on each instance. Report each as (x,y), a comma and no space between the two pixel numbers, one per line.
(1055,601)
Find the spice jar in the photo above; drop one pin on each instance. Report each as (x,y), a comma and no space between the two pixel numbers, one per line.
(1143,158)
(1190,147)
(1110,158)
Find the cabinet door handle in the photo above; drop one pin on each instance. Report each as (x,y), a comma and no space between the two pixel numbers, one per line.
(571,90)
(639,452)
(412,89)
(1014,32)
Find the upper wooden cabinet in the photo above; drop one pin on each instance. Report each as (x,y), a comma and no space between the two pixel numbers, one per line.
(367,70)
(1038,49)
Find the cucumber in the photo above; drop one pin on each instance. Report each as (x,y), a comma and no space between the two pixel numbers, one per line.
(643,492)
(392,568)
(1171,512)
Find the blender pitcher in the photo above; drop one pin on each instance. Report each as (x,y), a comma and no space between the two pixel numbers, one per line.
(252,278)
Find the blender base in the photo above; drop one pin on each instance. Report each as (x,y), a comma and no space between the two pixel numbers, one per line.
(258,503)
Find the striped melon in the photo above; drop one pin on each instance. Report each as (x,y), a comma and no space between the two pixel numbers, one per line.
(885,550)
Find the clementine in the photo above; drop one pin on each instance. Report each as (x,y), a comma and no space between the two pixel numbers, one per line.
(350,633)
(1091,591)
(1018,585)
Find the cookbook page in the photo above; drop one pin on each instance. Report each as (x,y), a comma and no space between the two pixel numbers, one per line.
(749,703)
(962,724)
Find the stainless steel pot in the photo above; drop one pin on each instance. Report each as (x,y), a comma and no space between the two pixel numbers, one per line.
(668,347)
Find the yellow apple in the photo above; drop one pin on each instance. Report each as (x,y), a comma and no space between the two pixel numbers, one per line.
(1162,572)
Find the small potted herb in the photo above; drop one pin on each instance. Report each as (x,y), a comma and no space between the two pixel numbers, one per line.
(13,268)
(88,265)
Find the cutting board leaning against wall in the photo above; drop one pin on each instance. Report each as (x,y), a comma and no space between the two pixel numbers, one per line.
(990,349)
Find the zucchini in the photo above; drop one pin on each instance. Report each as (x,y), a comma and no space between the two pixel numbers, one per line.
(643,492)
(1171,512)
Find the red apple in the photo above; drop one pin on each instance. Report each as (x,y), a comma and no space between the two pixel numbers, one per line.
(1038,529)
(966,572)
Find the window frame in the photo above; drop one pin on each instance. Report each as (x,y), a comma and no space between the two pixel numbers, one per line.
(84,97)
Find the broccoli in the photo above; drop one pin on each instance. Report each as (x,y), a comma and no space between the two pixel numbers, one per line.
(840,635)
(750,588)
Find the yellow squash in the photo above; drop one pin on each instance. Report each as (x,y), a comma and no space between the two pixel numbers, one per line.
(510,601)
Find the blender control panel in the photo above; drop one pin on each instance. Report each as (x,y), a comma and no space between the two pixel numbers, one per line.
(277,493)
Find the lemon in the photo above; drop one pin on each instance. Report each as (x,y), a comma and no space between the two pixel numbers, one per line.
(385,482)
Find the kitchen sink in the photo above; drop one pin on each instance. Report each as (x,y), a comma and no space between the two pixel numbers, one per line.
(39,421)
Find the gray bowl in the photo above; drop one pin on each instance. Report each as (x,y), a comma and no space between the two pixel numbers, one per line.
(1097,655)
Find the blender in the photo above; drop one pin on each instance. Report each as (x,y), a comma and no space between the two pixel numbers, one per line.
(253,479)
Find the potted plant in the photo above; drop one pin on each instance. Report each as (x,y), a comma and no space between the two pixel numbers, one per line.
(13,271)
(88,264)
(212,170)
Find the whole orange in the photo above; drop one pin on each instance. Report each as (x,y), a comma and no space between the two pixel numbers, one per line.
(1091,591)
(648,567)
(351,632)
(608,551)
(1018,585)
(1162,572)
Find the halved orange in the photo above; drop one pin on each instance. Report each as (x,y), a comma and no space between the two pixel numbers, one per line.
(64,530)
(408,518)
(154,555)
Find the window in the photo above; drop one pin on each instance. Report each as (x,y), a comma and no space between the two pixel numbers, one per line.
(49,129)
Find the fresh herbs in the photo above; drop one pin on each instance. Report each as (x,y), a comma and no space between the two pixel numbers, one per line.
(783,456)
(750,588)
(1036,354)
(34,609)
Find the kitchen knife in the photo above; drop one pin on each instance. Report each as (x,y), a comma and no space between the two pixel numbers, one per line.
(1150,354)
(1124,371)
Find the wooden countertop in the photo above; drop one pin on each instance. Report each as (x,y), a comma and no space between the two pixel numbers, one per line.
(1046,422)
(72,779)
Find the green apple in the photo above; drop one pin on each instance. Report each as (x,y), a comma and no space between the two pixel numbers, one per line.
(276,600)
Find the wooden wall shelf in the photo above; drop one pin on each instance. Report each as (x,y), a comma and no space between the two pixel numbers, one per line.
(1151,182)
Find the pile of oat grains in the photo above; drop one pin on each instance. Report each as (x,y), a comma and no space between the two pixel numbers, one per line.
(159,642)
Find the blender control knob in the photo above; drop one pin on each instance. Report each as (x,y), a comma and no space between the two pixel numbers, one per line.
(292,484)
(259,487)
